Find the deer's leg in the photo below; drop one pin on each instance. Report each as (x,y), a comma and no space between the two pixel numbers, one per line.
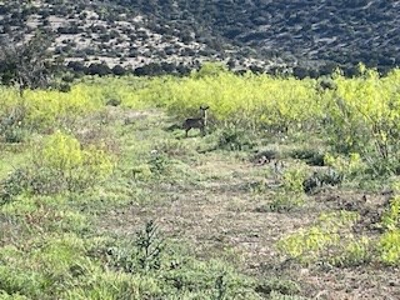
(203,131)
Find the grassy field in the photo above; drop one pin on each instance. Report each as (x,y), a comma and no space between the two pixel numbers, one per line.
(292,194)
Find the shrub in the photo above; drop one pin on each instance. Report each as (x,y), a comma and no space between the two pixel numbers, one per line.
(159,164)
(311,156)
(283,202)
(355,253)
(284,287)
(235,139)
(320,179)
(389,247)
(58,165)
(62,155)
(293,179)
(346,166)
(391,218)
(312,244)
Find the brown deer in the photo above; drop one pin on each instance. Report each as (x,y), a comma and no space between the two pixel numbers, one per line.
(200,123)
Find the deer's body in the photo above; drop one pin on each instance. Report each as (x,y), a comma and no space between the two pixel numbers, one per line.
(199,123)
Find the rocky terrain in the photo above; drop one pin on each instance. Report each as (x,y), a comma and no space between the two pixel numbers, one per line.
(173,36)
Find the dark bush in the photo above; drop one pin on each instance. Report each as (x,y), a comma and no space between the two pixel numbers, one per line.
(77,66)
(99,69)
(119,70)
(320,179)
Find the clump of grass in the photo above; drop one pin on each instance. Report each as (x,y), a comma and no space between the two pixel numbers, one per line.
(321,178)
(173,147)
(308,245)
(236,139)
(283,202)
(389,247)
(312,157)
(391,218)
(356,252)
(277,285)
(293,179)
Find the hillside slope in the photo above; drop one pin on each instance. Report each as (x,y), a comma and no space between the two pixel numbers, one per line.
(305,34)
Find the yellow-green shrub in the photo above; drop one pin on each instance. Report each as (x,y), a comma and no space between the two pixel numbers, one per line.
(309,244)
(391,218)
(389,247)
(61,155)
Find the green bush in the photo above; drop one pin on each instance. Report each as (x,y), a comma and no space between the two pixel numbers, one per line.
(389,247)
(312,157)
(61,155)
(281,286)
(58,165)
(320,179)
(235,139)
(391,218)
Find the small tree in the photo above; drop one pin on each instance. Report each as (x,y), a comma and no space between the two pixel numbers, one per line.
(26,63)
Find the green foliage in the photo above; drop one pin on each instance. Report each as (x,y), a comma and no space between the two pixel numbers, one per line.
(391,218)
(311,157)
(310,244)
(355,253)
(159,164)
(50,196)
(209,69)
(293,179)
(365,113)
(321,178)
(284,202)
(58,165)
(389,247)
(150,247)
(346,167)
(235,139)
(281,286)
(62,156)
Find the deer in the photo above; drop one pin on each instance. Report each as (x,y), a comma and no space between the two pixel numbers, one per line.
(200,123)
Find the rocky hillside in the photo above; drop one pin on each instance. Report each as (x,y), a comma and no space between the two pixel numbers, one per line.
(154,36)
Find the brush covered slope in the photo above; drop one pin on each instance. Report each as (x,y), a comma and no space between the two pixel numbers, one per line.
(310,36)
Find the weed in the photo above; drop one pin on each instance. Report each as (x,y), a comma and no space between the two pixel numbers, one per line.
(391,218)
(235,139)
(281,286)
(355,253)
(159,164)
(389,247)
(310,244)
(321,178)
(283,202)
(220,288)
(293,179)
(143,254)
(311,157)
(150,247)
